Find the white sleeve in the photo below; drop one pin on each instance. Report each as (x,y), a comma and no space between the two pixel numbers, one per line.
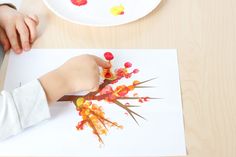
(15,3)
(23,107)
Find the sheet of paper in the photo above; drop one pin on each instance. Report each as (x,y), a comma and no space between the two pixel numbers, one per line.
(161,134)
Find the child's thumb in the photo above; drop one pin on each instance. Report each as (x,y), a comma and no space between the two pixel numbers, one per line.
(100,62)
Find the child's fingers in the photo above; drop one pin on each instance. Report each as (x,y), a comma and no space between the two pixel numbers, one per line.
(34,18)
(4,40)
(100,62)
(24,35)
(32,28)
(12,36)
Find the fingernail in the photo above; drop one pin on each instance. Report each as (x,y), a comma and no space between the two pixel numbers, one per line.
(18,51)
(27,48)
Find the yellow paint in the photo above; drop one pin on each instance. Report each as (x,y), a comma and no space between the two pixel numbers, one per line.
(79,102)
(117,10)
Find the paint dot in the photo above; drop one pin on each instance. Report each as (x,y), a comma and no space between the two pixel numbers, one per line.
(128,65)
(108,55)
(80,102)
(135,71)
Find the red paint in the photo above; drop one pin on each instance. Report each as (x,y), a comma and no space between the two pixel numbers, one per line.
(106,90)
(128,65)
(135,71)
(108,75)
(108,55)
(79,2)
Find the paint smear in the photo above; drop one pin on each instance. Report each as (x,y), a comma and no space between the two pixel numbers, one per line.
(79,2)
(117,10)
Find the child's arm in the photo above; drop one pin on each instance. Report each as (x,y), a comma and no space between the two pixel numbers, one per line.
(21,108)
(18,31)
(28,105)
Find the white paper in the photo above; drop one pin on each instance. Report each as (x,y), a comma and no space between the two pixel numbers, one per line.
(162,134)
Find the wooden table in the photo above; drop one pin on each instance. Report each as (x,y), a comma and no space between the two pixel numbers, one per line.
(203,31)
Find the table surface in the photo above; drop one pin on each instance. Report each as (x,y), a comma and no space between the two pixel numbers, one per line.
(204,32)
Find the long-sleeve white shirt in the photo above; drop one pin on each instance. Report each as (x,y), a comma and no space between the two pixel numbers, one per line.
(15,3)
(24,106)
(21,108)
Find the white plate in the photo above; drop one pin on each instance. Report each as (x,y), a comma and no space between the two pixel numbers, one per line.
(98,12)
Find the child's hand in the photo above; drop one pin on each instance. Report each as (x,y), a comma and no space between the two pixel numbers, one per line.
(80,73)
(19,29)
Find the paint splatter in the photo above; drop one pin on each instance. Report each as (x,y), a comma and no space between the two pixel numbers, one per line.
(79,2)
(93,115)
(117,10)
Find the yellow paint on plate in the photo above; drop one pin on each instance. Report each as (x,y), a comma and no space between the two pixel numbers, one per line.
(117,10)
